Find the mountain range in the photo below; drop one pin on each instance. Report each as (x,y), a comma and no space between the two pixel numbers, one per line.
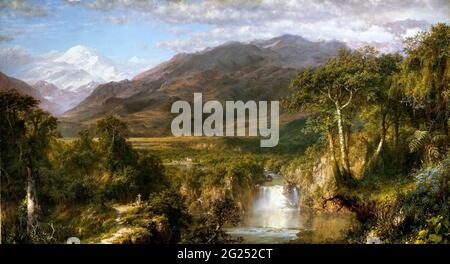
(74,73)
(8,83)
(259,70)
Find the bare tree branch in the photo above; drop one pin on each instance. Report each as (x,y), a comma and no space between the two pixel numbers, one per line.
(349,100)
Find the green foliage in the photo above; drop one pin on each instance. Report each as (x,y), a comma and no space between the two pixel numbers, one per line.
(114,147)
(333,93)
(76,169)
(13,108)
(426,76)
(383,119)
(432,147)
(25,136)
(436,232)
(149,176)
(170,204)
(420,214)
(223,211)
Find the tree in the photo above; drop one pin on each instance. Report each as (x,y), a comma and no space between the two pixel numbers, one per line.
(149,176)
(384,99)
(113,135)
(26,132)
(307,98)
(83,157)
(170,204)
(334,87)
(12,131)
(40,129)
(426,79)
(13,107)
(210,230)
(427,73)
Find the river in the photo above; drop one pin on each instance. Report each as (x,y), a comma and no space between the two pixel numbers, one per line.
(274,216)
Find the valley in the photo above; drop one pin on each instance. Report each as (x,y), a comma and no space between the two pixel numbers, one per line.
(234,71)
(87,150)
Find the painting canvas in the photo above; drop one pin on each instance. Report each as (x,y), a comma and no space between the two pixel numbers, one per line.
(224,122)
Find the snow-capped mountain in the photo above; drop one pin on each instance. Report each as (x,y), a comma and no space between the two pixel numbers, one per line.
(77,67)
(91,62)
(64,100)
(63,75)
(79,70)
(260,70)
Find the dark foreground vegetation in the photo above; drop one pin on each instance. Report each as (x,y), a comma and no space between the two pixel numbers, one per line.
(374,143)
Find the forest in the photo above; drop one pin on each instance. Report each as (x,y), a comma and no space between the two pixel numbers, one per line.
(373,144)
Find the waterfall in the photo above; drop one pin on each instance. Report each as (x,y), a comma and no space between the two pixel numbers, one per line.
(276,206)
(274,198)
(275,217)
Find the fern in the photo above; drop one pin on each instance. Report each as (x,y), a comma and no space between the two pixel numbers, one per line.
(418,140)
(431,147)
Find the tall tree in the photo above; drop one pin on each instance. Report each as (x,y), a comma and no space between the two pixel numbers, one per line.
(305,97)
(384,98)
(338,82)
(40,129)
(25,134)
(12,131)
(427,70)
(426,77)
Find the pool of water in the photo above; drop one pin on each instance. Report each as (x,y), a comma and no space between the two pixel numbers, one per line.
(275,217)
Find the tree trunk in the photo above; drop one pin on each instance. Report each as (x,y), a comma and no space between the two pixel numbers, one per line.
(31,199)
(347,138)
(396,135)
(344,153)
(379,147)
(333,154)
(383,137)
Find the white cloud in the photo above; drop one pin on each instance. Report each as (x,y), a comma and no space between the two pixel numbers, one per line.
(383,23)
(411,32)
(21,8)
(118,20)
(364,22)
(14,57)
(137,65)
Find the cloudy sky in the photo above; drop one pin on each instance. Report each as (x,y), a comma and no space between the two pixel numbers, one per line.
(151,31)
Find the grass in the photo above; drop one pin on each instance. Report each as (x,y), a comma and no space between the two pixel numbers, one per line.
(84,221)
(382,189)
(292,140)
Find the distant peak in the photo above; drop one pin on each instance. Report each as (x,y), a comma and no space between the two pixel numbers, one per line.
(231,43)
(290,37)
(80,49)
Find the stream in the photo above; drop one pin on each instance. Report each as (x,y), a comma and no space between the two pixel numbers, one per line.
(275,217)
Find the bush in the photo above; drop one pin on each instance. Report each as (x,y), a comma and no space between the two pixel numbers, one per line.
(171,205)
(422,214)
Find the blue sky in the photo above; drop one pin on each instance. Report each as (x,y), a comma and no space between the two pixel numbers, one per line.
(155,30)
(68,25)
